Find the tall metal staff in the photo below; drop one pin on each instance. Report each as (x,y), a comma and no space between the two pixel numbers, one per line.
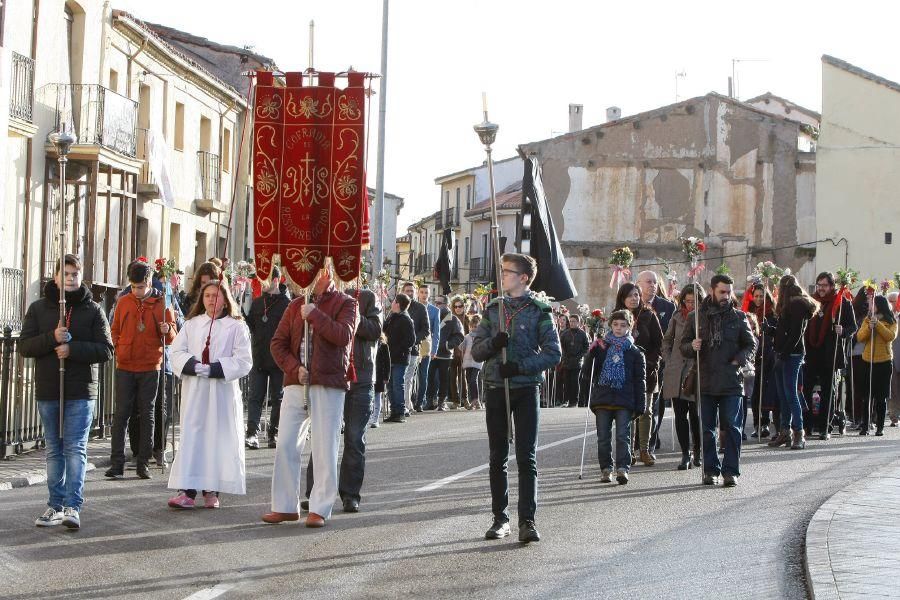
(487,133)
(693,248)
(63,140)
(761,376)
(838,343)
(871,294)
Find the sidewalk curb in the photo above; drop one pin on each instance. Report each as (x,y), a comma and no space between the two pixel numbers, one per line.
(98,458)
(820,580)
(32,478)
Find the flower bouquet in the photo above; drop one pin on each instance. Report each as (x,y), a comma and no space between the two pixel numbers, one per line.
(693,248)
(621,266)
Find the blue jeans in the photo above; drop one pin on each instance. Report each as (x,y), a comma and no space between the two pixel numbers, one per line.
(376,408)
(787,375)
(725,413)
(525,412)
(605,419)
(424,363)
(396,390)
(357,411)
(66,457)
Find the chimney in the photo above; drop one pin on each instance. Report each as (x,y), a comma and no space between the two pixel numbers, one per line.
(575,114)
(613,113)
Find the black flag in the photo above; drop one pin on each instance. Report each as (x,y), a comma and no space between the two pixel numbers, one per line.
(443,267)
(553,276)
(494,278)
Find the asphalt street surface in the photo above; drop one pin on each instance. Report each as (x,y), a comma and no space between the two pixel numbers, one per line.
(662,535)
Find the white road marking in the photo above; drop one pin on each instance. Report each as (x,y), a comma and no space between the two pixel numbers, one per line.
(448,480)
(213,592)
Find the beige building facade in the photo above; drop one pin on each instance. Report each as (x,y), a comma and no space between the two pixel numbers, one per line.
(857,179)
(112,80)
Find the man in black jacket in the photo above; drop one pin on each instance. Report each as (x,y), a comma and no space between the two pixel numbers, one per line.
(832,325)
(357,403)
(726,344)
(401,336)
(574,344)
(84,342)
(265,314)
(419,361)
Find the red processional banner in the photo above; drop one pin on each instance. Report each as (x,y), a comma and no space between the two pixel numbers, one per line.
(309,189)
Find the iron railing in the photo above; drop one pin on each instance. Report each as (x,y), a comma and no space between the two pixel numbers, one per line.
(21,93)
(12,294)
(452,218)
(98,116)
(425,263)
(477,269)
(208,181)
(20,422)
(439,221)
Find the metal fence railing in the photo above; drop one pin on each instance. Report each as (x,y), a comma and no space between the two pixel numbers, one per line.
(20,423)
(98,116)
(12,298)
(208,176)
(21,92)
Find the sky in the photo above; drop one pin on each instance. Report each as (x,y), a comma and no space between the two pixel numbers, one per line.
(532,58)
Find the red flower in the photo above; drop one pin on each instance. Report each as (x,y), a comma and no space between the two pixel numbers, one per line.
(597,312)
(143,259)
(701,246)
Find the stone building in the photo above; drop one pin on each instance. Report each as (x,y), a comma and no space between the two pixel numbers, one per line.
(710,166)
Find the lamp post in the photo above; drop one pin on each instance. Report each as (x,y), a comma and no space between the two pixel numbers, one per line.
(63,141)
(487,133)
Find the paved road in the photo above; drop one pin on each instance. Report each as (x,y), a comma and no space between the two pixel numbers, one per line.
(661,536)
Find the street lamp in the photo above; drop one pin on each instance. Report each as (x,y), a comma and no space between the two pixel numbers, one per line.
(487,133)
(63,141)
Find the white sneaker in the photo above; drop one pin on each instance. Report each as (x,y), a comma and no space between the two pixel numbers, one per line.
(605,476)
(50,518)
(252,441)
(70,518)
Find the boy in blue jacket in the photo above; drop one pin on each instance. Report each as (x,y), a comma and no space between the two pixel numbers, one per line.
(619,386)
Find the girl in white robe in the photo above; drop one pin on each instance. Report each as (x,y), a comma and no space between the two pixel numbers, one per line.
(210,364)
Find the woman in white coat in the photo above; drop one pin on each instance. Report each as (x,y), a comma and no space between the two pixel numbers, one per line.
(210,361)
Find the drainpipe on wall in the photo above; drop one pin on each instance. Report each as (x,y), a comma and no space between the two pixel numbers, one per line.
(131,62)
(107,17)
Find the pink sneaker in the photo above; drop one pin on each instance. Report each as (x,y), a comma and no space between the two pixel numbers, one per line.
(210,500)
(182,500)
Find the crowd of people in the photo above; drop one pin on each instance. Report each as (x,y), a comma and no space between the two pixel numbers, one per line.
(801,364)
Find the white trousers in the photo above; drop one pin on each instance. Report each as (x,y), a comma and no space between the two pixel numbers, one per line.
(326,412)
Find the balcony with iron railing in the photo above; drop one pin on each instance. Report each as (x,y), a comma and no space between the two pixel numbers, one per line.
(21,92)
(477,270)
(452,217)
(424,264)
(209,183)
(98,117)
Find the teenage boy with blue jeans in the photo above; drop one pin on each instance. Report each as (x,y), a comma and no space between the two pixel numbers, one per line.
(618,392)
(532,347)
(83,341)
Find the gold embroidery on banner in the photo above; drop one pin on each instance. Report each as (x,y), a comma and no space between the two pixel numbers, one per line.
(348,108)
(289,186)
(264,227)
(307,107)
(269,108)
(304,259)
(262,258)
(346,185)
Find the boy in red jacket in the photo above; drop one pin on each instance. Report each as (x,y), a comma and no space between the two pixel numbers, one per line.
(140,324)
